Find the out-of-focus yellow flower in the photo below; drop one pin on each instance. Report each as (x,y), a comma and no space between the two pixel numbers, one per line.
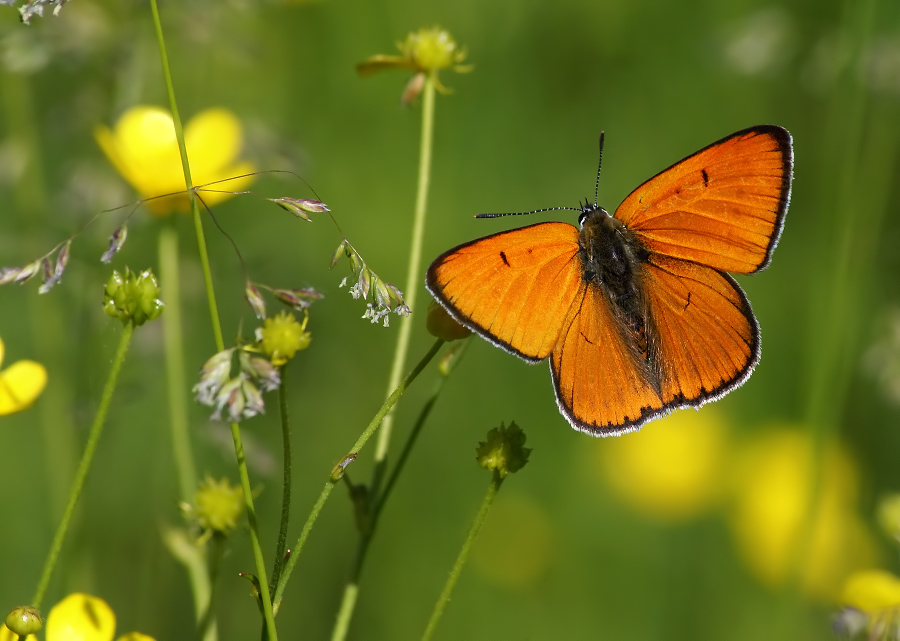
(672,469)
(143,148)
(20,384)
(872,591)
(81,617)
(772,492)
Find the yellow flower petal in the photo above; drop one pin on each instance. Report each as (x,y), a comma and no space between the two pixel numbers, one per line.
(135,636)
(148,150)
(872,591)
(20,385)
(7,635)
(216,193)
(214,140)
(81,617)
(2,351)
(672,469)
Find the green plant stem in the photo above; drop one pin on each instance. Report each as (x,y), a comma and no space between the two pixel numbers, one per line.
(201,569)
(441,604)
(281,546)
(85,465)
(413,275)
(176,383)
(334,478)
(351,590)
(259,560)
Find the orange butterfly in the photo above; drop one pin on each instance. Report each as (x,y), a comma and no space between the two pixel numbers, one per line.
(635,310)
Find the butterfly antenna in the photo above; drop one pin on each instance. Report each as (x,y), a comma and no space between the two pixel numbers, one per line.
(525,213)
(599,164)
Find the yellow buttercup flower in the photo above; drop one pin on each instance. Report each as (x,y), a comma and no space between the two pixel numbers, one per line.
(671,470)
(778,533)
(20,384)
(142,147)
(83,617)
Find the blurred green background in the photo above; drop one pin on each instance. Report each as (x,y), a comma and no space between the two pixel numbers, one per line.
(564,554)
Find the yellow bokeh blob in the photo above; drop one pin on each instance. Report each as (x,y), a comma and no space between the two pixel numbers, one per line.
(20,384)
(672,469)
(779,534)
(872,591)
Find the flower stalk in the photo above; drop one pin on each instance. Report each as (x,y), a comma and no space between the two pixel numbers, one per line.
(259,561)
(85,465)
(338,470)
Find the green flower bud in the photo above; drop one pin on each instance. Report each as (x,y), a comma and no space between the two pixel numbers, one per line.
(218,505)
(442,325)
(24,620)
(504,450)
(432,48)
(132,297)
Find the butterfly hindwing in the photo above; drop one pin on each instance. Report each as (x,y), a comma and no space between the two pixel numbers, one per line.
(723,206)
(514,288)
(603,384)
(706,338)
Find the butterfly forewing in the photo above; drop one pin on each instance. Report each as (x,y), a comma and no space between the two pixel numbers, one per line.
(603,385)
(706,337)
(514,288)
(723,206)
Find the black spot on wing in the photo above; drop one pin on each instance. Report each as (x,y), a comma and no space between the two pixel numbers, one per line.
(503,256)
(705,177)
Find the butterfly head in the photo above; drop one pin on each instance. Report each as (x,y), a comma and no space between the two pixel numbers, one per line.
(590,211)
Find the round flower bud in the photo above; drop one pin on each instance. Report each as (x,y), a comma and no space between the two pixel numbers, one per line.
(24,620)
(218,505)
(504,450)
(442,325)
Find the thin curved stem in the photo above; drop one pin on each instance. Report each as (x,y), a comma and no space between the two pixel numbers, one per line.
(351,589)
(259,560)
(413,275)
(441,604)
(281,545)
(338,472)
(85,465)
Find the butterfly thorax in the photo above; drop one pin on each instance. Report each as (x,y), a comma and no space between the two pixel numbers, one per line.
(610,257)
